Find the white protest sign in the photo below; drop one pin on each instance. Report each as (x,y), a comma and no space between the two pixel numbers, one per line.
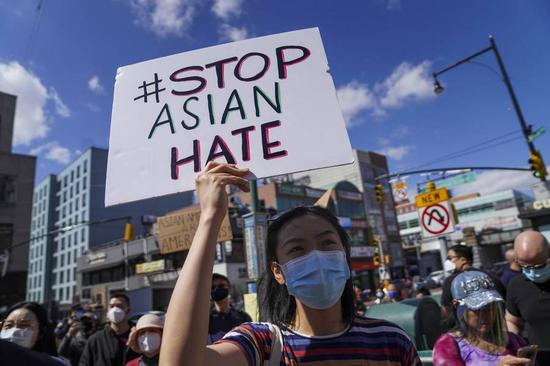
(266,103)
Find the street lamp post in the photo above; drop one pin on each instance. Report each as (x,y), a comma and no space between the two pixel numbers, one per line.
(438,89)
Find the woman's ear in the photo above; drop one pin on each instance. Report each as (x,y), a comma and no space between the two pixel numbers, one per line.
(278,273)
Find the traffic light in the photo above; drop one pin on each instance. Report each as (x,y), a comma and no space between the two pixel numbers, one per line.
(376,261)
(128,232)
(378,190)
(387,259)
(537,165)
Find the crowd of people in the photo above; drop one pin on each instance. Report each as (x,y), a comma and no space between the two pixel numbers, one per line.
(307,302)
(81,339)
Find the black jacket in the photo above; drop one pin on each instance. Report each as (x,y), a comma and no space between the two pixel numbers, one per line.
(105,348)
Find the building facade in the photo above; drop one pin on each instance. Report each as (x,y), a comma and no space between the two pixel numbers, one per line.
(71,204)
(488,221)
(16,189)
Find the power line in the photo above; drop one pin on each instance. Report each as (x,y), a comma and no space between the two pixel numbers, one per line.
(35,28)
(69,228)
(471,149)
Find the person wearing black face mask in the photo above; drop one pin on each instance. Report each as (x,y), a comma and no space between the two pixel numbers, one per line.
(73,343)
(223,317)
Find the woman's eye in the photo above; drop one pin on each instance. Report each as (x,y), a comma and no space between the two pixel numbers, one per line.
(329,242)
(294,250)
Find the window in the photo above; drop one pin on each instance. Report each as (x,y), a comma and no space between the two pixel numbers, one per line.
(84,200)
(68,260)
(85,166)
(76,200)
(71,192)
(78,171)
(75,237)
(69,279)
(61,277)
(72,176)
(75,255)
(7,189)
(63,243)
(65,181)
(82,232)
(77,188)
(61,294)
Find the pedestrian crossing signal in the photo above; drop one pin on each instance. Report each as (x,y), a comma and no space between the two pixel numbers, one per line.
(537,165)
(378,190)
(376,260)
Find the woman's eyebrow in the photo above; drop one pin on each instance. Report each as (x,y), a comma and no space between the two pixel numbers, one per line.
(293,240)
(326,232)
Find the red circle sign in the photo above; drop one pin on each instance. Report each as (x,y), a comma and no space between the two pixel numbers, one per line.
(437,213)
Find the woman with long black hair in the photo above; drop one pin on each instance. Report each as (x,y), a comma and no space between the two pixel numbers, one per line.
(26,324)
(306,295)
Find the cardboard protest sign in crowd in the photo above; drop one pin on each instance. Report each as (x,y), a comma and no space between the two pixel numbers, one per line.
(267,103)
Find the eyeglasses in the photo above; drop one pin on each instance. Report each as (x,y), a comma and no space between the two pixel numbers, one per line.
(532,266)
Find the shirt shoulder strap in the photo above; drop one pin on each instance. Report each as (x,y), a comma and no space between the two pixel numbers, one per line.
(276,346)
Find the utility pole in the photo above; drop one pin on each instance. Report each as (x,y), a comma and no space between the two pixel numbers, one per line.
(534,154)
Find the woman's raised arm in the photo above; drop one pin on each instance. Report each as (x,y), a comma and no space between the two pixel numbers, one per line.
(186,327)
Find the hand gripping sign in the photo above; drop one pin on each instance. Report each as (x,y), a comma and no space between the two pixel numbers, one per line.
(267,103)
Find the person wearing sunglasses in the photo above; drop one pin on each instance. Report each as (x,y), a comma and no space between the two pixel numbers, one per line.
(305,296)
(528,299)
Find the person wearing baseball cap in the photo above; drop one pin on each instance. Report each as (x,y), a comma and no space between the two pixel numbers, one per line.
(480,336)
(145,339)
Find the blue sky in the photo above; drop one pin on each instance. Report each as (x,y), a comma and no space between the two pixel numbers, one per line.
(61,62)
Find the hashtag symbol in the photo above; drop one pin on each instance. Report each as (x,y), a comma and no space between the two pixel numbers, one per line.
(156,92)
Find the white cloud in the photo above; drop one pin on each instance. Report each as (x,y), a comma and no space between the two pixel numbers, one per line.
(393,4)
(95,85)
(497,180)
(406,83)
(164,17)
(396,152)
(31,115)
(225,9)
(53,151)
(60,107)
(355,98)
(230,33)
(93,107)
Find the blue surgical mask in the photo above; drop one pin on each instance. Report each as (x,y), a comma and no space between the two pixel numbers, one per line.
(392,294)
(537,275)
(318,278)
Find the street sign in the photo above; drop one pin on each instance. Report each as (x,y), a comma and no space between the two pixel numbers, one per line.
(451,182)
(430,198)
(436,219)
(537,133)
(400,191)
